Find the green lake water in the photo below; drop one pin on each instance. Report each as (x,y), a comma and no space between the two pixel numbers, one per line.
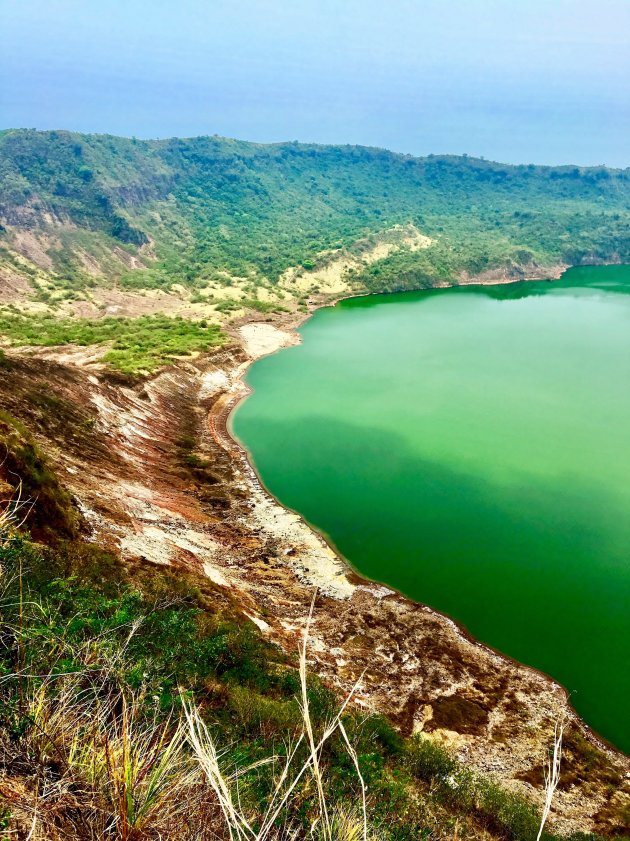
(471,447)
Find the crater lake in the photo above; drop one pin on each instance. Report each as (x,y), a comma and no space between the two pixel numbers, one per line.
(471,448)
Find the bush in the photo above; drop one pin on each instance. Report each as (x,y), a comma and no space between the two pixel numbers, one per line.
(427,760)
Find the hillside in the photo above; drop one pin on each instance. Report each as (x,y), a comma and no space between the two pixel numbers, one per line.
(152,214)
(138,280)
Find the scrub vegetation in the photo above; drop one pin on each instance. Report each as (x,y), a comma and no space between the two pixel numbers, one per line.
(141,344)
(217,223)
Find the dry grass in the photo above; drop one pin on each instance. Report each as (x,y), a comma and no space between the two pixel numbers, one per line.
(100,766)
(552,773)
(13,513)
(126,777)
(329,823)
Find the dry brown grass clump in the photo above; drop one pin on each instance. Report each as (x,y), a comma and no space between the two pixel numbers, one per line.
(93,765)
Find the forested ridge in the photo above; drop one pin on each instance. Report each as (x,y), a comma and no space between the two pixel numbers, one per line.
(210,205)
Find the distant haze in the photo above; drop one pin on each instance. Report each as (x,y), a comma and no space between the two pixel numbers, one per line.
(542,81)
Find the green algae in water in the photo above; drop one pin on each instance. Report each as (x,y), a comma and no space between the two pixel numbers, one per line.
(471,447)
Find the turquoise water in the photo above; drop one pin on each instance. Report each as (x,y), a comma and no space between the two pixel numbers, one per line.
(471,447)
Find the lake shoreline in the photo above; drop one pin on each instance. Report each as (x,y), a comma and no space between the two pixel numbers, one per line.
(287,335)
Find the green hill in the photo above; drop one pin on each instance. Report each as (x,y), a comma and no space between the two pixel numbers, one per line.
(205,209)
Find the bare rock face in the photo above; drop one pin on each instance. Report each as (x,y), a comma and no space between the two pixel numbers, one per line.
(156,477)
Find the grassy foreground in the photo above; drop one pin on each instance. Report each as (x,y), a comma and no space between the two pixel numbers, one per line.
(143,706)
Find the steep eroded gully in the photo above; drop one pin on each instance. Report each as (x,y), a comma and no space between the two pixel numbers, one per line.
(156,477)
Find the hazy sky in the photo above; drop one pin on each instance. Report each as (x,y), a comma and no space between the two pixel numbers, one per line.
(545,81)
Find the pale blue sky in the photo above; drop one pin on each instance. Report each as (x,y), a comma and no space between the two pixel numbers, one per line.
(545,81)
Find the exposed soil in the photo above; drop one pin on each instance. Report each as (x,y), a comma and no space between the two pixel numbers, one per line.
(334,276)
(510,274)
(13,286)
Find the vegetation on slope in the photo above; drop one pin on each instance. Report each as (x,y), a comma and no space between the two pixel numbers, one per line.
(136,345)
(217,223)
(213,207)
